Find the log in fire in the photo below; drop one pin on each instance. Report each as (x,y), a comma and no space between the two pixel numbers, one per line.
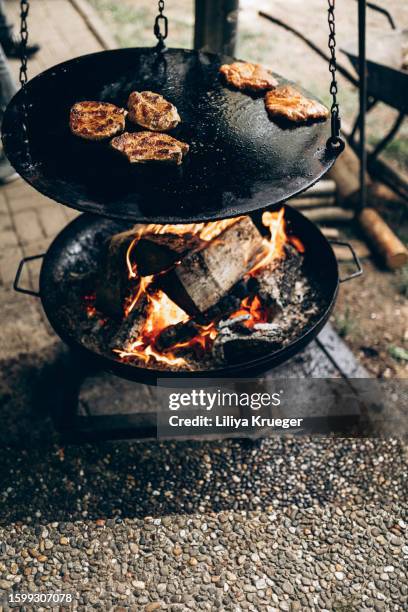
(201,295)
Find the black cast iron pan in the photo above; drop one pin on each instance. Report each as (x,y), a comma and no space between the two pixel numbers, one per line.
(239,161)
(75,251)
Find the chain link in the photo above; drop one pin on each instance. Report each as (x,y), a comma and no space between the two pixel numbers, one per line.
(24,10)
(161,20)
(335,111)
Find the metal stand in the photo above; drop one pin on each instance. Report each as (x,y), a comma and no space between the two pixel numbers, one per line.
(362,69)
(76,425)
(72,373)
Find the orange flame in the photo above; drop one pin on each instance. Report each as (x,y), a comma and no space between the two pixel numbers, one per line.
(205,231)
(162,312)
(253,307)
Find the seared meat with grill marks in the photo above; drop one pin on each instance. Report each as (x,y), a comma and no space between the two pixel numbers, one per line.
(140,147)
(252,77)
(96,120)
(152,111)
(287,103)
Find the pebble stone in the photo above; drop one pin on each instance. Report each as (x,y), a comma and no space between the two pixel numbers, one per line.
(305,525)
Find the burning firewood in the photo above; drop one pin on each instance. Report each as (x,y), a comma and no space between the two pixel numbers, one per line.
(146,253)
(131,325)
(154,253)
(176,334)
(276,283)
(233,346)
(205,276)
(237,294)
(185,331)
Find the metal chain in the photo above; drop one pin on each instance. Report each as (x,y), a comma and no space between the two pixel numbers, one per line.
(161,20)
(24,10)
(335,139)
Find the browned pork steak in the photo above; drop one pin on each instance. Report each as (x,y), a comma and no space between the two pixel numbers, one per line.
(244,75)
(96,120)
(287,103)
(140,147)
(152,111)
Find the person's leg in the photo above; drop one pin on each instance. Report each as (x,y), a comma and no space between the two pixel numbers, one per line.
(7,85)
(9,41)
(7,90)
(6,29)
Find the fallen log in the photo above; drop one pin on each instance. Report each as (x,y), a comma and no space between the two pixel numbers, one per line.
(345,173)
(381,237)
(203,277)
(332,214)
(330,232)
(388,245)
(321,189)
(344,254)
(392,177)
(318,202)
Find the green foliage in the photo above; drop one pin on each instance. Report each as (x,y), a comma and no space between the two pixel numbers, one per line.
(345,324)
(398,353)
(402,281)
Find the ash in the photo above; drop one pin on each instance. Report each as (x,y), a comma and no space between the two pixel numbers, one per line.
(292,298)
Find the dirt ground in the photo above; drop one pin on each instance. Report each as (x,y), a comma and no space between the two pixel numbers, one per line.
(372,311)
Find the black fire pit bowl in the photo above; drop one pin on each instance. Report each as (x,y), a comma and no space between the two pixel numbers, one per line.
(75,251)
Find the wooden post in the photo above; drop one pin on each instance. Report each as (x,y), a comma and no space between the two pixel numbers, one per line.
(216,25)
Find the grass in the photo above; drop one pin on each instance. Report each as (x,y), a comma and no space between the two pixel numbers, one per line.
(398,353)
(345,324)
(402,281)
(132,21)
(396,150)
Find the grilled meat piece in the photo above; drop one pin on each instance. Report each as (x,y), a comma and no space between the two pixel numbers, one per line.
(140,147)
(252,77)
(286,102)
(152,111)
(96,120)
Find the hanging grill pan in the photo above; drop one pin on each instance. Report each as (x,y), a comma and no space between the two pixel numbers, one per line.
(239,160)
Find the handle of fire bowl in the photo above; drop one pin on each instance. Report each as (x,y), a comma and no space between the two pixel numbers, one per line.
(359,270)
(19,272)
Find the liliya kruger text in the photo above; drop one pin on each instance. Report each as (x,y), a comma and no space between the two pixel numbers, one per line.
(231,422)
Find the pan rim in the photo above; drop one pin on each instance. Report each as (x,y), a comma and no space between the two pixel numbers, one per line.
(135,372)
(240,205)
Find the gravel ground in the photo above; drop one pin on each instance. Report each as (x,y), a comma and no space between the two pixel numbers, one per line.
(290,524)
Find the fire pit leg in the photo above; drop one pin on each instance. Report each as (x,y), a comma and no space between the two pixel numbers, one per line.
(74,370)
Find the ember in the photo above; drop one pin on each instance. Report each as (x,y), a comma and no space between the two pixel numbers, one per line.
(179,312)
(256,311)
